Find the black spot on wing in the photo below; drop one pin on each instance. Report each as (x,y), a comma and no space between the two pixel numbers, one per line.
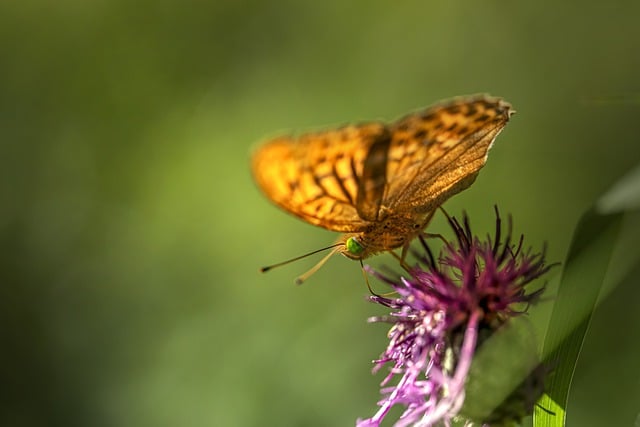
(427,116)
(403,126)
(453,109)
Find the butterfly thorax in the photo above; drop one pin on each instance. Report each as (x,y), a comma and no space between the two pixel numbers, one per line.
(393,232)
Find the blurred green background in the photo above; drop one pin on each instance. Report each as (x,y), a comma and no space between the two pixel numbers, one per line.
(132,232)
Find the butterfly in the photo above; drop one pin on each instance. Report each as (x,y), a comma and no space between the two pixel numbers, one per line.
(380,183)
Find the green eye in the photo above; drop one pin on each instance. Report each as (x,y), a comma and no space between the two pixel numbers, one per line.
(353,246)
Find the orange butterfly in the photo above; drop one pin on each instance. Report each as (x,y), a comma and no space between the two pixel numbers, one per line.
(381,183)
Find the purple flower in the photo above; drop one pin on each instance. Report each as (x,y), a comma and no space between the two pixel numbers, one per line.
(442,310)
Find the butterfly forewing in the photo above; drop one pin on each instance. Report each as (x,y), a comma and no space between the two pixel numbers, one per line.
(318,176)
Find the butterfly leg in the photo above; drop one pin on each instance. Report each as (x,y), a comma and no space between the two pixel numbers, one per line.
(402,257)
(428,220)
(434,236)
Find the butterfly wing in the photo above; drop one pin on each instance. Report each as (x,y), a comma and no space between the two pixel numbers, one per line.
(333,179)
(439,152)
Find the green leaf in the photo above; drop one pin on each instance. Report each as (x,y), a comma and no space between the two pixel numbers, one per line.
(582,279)
(590,253)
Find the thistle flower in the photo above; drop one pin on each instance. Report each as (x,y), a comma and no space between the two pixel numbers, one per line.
(443,310)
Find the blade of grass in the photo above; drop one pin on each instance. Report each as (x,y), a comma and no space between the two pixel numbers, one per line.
(593,244)
(582,279)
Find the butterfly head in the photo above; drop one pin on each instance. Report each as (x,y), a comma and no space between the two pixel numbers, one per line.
(353,248)
(358,246)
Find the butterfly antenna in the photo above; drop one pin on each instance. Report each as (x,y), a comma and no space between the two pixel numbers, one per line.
(280,264)
(300,279)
